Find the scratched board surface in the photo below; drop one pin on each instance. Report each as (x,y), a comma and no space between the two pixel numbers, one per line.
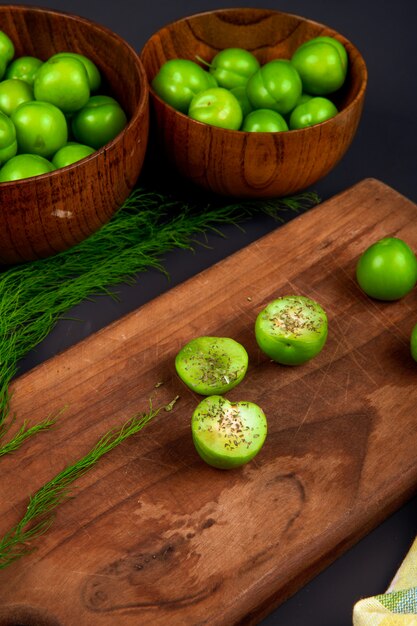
(154,536)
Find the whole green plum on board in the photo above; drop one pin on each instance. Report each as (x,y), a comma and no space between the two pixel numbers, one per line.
(387,270)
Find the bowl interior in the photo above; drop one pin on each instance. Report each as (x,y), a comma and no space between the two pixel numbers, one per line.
(266,33)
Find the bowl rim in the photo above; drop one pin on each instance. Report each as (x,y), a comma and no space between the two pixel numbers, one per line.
(139,110)
(358,98)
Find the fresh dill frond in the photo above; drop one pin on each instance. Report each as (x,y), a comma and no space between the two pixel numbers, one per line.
(39,514)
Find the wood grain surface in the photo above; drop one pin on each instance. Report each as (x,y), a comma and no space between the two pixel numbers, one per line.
(47,214)
(154,536)
(238,163)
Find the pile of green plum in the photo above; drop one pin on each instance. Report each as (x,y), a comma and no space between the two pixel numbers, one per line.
(48,117)
(238,93)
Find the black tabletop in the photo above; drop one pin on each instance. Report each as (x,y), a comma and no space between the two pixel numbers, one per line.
(384,148)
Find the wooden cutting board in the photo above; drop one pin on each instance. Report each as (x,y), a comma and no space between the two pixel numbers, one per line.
(153,536)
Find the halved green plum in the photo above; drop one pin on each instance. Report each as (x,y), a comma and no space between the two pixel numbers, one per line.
(291,330)
(212,365)
(228,434)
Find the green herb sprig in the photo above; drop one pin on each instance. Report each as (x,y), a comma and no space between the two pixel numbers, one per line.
(39,514)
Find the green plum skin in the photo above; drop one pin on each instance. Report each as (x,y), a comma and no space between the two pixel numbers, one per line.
(321,66)
(178,81)
(339,47)
(24,68)
(291,330)
(217,107)
(94,77)
(12,93)
(63,82)
(305,97)
(8,143)
(25,166)
(6,48)
(228,435)
(413,343)
(387,270)
(264,121)
(276,85)
(71,153)
(313,111)
(232,67)
(41,128)
(241,96)
(212,365)
(2,68)
(99,122)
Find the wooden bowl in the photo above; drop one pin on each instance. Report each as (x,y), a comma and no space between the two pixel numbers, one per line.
(237,163)
(50,213)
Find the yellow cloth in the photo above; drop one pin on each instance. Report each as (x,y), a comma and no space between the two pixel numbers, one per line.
(398,606)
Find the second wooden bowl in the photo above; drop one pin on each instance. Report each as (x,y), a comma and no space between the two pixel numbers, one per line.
(47,214)
(244,164)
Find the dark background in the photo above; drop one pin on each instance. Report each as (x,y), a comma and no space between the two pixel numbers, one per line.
(385,148)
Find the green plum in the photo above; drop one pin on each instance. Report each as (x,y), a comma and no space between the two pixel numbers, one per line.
(387,270)
(63,82)
(217,107)
(233,67)
(305,97)
(24,68)
(41,128)
(339,47)
(2,67)
(291,330)
(276,85)
(321,65)
(241,96)
(6,47)
(228,434)
(264,121)
(94,77)
(71,153)
(98,122)
(179,80)
(25,166)
(8,143)
(211,365)
(14,92)
(313,111)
